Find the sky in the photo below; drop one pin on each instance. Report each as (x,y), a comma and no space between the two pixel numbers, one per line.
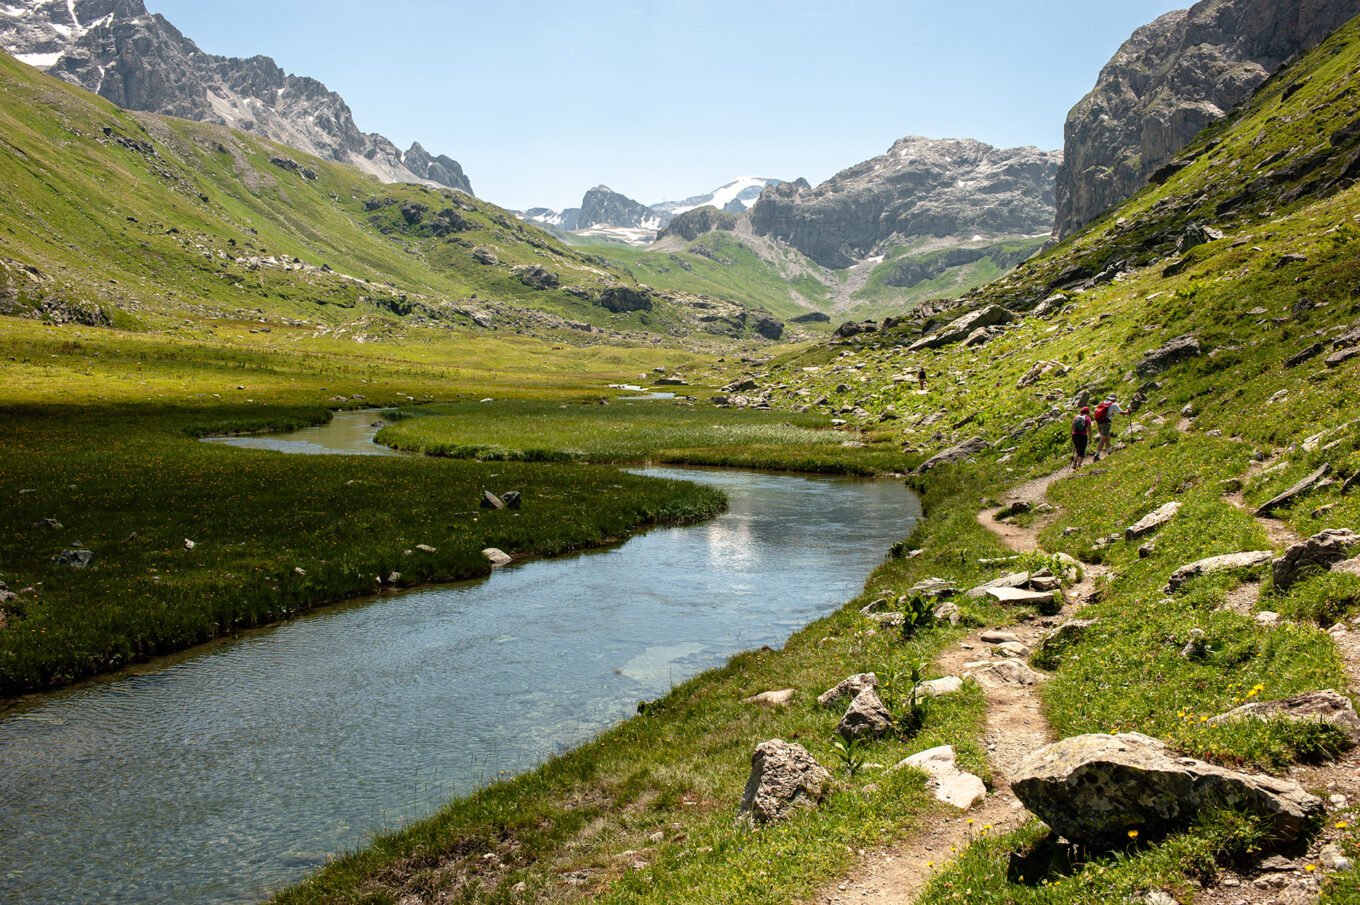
(663,99)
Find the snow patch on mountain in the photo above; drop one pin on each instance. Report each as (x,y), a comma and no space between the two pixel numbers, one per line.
(736,197)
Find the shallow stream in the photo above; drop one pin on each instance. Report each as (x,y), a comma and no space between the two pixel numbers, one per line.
(234,771)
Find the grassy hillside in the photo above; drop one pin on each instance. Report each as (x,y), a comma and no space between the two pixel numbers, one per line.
(155,223)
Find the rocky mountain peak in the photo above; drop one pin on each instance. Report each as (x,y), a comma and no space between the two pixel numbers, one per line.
(1169,81)
(921,187)
(140,61)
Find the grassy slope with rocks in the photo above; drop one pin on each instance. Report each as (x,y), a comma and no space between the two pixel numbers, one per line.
(158,223)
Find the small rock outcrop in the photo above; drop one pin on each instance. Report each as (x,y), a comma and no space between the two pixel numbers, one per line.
(847,688)
(959,330)
(1293,493)
(1152,521)
(1213,564)
(75,558)
(1094,789)
(1316,554)
(498,558)
(623,299)
(947,782)
(784,777)
(1315,706)
(866,717)
(964,450)
(1182,348)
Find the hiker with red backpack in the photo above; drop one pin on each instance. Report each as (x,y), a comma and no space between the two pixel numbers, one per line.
(1104,418)
(1081,435)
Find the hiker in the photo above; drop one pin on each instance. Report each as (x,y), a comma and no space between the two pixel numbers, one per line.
(1104,418)
(1081,435)
(921,376)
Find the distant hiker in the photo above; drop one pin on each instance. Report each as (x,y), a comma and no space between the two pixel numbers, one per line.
(921,376)
(1081,435)
(1104,418)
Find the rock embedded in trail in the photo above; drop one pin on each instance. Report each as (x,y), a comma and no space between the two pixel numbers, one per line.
(1213,564)
(784,777)
(1324,706)
(1011,580)
(866,716)
(1320,552)
(1094,789)
(847,688)
(1294,492)
(964,450)
(1152,521)
(946,781)
(1001,673)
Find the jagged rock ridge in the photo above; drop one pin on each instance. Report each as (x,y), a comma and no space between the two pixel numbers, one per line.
(920,188)
(1173,78)
(140,61)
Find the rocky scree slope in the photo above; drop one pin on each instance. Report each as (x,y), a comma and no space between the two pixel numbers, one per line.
(159,223)
(920,188)
(1170,80)
(140,61)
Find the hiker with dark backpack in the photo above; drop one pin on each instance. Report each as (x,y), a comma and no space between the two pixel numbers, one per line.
(1104,418)
(1081,435)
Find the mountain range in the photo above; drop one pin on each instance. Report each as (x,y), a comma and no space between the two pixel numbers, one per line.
(140,61)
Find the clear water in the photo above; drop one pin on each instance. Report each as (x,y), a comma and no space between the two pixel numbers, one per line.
(238,770)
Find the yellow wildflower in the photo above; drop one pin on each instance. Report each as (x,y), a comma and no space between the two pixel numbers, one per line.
(1133,834)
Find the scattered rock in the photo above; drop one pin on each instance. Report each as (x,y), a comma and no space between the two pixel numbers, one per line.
(1011,649)
(1299,358)
(512,499)
(948,612)
(1267,619)
(75,558)
(1181,349)
(1315,707)
(888,620)
(866,716)
(188,544)
(497,558)
(1295,492)
(772,698)
(1023,597)
(935,688)
(1214,564)
(965,450)
(946,781)
(998,637)
(934,587)
(1333,859)
(783,777)
(1318,553)
(426,548)
(960,329)
(1152,521)
(997,673)
(49,523)
(491,501)
(1011,580)
(848,688)
(1094,789)
(536,277)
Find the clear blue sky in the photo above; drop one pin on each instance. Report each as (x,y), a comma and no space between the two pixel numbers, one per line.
(660,99)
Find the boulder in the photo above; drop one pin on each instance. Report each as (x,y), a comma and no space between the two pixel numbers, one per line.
(1182,348)
(623,299)
(935,688)
(1152,521)
(1213,564)
(999,673)
(512,499)
(1094,789)
(1013,580)
(965,450)
(1012,649)
(536,277)
(866,716)
(1295,492)
(1350,567)
(491,501)
(497,558)
(960,329)
(1318,553)
(1196,234)
(1337,359)
(772,698)
(848,688)
(997,637)
(946,781)
(934,587)
(1022,596)
(75,558)
(784,777)
(1315,706)
(483,255)
(948,612)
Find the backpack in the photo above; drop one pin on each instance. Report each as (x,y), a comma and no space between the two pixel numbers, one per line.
(1103,412)
(1082,426)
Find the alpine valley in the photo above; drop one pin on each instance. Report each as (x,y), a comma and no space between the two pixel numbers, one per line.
(305,447)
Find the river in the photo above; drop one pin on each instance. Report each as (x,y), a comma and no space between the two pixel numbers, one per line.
(219,776)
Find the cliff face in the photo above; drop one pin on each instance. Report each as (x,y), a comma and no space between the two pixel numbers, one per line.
(1173,78)
(920,188)
(140,61)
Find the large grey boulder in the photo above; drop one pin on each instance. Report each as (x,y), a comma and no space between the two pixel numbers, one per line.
(75,559)
(1316,554)
(1213,564)
(1314,706)
(1094,789)
(965,450)
(1182,348)
(784,777)
(945,780)
(847,688)
(866,717)
(1152,521)
(959,330)
(1295,492)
